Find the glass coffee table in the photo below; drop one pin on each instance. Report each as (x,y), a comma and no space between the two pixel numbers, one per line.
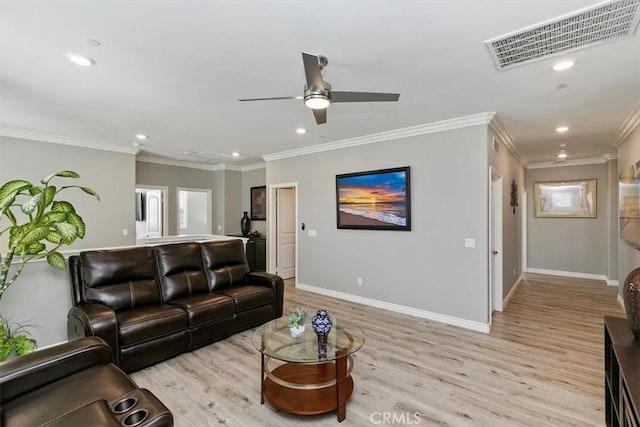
(303,377)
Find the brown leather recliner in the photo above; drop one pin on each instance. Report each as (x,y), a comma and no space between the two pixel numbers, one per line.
(74,384)
(152,303)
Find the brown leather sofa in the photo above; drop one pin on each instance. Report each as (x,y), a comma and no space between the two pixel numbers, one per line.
(74,384)
(151,303)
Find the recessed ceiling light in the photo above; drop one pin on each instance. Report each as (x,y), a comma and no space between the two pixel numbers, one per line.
(562,154)
(141,136)
(562,129)
(137,144)
(235,154)
(301,131)
(564,65)
(80,60)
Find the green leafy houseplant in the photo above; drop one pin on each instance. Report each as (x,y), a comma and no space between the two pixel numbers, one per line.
(15,340)
(38,225)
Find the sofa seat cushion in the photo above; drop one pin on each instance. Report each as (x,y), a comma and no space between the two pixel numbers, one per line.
(205,308)
(247,297)
(150,322)
(70,393)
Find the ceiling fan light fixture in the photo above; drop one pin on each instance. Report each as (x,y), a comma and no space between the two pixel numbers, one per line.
(317,102)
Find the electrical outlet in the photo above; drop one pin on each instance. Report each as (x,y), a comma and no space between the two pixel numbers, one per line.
(359,281)
(514,272)
(125,231)
(219,227)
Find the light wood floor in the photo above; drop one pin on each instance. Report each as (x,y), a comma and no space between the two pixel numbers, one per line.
(541,365)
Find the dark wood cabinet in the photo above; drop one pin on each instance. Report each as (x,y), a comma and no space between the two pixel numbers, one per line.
(257,253)
(622,374)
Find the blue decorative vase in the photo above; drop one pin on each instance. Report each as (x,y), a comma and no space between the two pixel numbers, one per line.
(322,323)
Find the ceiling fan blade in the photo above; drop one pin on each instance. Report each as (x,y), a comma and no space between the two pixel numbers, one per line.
(363,97)
(271,99)
(320,115)
(312,71)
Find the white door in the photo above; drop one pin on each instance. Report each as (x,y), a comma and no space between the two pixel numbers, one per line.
(495,243)
(286,232)
(153,206)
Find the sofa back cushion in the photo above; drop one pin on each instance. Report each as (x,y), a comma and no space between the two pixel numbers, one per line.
(225,263)
(180,270)
(121,279)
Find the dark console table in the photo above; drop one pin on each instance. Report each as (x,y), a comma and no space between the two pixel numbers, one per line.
(622,374)
(256,248)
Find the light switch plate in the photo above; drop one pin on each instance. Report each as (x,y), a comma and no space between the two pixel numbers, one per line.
(469,243)
(313,233)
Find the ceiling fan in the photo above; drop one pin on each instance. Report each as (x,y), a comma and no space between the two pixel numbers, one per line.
(318,94)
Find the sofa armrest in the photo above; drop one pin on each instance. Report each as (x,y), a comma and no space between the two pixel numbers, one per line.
(31,371)
(273,281)
(94,320)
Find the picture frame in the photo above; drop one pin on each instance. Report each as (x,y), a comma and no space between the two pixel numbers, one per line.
(374,200)
(259,203)
(566,199)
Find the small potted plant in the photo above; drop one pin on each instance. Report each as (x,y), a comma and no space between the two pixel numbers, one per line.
(15,340)
(297,320)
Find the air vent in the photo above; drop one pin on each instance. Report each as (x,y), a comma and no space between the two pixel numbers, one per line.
(603,22)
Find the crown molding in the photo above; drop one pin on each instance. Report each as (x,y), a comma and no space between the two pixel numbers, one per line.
(440,126)
(627,127)
(577,162)
(181,163)
(254,166)
(195,165)
(503,134)
(56,139)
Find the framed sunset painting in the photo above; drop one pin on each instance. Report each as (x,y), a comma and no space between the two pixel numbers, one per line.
(374,200)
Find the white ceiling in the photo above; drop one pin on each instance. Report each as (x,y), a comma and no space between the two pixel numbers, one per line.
(175,69)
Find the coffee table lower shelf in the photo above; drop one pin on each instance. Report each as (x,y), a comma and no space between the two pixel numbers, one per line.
(308,401)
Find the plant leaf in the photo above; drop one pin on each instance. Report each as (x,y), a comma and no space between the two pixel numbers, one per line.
(75,219)
(35,190)
(54,237)
(16,233)
(35,235)
(11,217)
(91,192)
(53,217)
(33,203)
(55,259)
(69,232)
(49,194)
(34,248)
(63,174)
(9,191)
(62,207)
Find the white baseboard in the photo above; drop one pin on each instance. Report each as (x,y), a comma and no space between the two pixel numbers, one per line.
(437,317)
(621,302)
(512,291)
(573,274)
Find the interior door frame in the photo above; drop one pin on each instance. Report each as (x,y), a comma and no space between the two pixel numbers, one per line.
(272,247)
(209,206)
(495,229)
(165,204)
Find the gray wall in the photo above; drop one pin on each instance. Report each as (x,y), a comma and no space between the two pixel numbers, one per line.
(578,245)
(253,178)
(173,177)
(42,295)
(232,201)
(628,256)
(510,169)
(109,174)
(428,268)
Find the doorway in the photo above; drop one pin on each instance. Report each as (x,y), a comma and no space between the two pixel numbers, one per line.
(151,211)
(283,246)
(495,241)
(194,211)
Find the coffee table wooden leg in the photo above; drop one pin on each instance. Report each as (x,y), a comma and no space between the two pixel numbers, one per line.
(341,384)
(262,374)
